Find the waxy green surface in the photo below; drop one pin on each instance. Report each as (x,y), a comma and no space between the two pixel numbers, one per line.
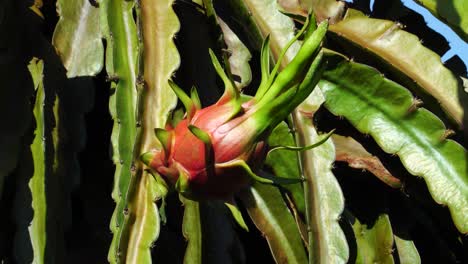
(385,110)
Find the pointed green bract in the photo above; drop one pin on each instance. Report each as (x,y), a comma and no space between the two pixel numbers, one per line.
(230,92)
(271,113)
(165,138)
(147,157)
(265,86)
(237,215)
(265,62)
(322,140)
(288,76)
(309,82)
(195,98)
(184,98)
(266,179)
(182,185)
(200,134)
(383,109)
(209,155)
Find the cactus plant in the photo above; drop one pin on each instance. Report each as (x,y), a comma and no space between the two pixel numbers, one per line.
(216,116)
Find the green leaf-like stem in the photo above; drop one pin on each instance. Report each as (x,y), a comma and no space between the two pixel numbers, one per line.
(384,109)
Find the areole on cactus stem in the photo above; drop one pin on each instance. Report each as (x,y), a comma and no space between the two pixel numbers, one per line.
(215,151)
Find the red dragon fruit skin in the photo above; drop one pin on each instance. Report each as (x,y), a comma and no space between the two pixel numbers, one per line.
(214,151)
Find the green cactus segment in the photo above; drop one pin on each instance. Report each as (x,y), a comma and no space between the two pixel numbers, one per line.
(407,251)
(324,9)
(281,30)
(121,64)
(192,230)
(272,217)
(45,160)
(352,152)
(267,20)
(37,229)
(454,12)
(405,53)
(285,164)
(237,215)
(240,56)
(323,196)
(385,110)
(78,37)
(155,100)
(374,241)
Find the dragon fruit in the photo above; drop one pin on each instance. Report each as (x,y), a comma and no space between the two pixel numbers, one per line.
(215,151)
